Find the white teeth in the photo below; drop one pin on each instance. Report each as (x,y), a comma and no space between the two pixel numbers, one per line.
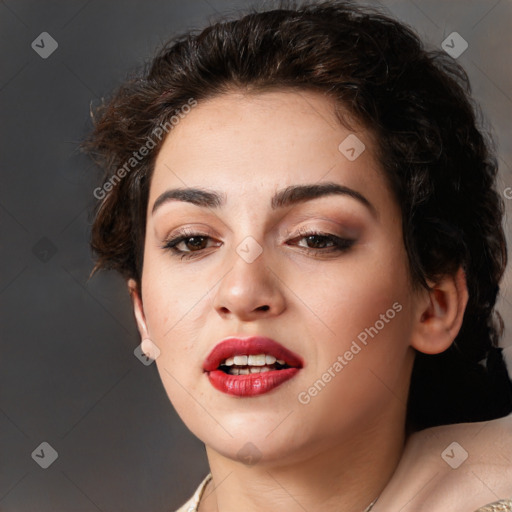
(254,363)
(258,360)
(252,360)
(240,360)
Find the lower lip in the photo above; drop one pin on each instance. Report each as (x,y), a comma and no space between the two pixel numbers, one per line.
(252,384)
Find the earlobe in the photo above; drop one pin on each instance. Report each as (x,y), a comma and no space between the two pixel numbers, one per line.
(138,308)
(440,313)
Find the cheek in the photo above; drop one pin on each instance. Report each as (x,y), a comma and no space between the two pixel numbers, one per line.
(168,295)
(364,357)
(170,305)
(365,319)
(353,294)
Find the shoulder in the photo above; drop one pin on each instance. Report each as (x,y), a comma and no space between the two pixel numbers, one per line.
(454,468)
(472,444)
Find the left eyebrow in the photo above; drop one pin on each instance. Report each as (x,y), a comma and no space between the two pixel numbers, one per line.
(283,198)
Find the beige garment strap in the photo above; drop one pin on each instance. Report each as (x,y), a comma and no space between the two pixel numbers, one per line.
(497,506)
(193,503)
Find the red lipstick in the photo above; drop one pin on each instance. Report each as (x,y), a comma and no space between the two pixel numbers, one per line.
(231,370)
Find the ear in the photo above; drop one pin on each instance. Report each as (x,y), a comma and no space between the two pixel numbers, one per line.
(439,314)
(138,308)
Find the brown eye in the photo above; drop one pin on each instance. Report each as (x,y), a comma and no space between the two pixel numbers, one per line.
(323,242)
(317,241)
(193,243)
(188,244)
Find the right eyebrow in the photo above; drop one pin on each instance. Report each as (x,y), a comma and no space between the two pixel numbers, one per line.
(197,196)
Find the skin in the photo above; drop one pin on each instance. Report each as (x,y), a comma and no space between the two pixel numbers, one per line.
(424,482)
(340,450)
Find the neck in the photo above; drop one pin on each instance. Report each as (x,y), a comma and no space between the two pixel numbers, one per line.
(331,477)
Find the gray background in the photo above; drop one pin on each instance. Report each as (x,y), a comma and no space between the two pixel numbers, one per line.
(68,373)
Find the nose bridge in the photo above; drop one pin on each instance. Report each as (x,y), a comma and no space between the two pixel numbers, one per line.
(249,286)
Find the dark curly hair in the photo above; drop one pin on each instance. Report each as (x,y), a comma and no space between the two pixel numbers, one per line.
(417,103)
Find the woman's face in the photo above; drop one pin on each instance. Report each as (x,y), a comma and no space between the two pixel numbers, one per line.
(324,275)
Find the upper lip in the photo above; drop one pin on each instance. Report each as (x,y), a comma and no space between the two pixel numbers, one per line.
(252,345)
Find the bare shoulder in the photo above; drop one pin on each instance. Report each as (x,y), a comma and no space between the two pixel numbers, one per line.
(453,468)
(483,441)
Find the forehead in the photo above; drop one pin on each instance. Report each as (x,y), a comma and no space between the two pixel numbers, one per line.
(256,143)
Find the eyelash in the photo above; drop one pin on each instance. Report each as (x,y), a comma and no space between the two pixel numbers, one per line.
(340,244)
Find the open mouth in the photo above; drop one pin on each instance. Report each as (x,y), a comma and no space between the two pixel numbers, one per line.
(246,364)
(251,366)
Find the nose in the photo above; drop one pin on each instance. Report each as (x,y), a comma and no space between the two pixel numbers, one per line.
(249,291)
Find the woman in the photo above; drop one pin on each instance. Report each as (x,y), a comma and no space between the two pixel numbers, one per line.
(306,215)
